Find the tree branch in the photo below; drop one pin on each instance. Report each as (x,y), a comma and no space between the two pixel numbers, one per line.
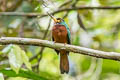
(57,11)
(59,46)
(19,14)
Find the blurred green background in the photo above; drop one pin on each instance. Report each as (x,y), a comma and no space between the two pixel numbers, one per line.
(103,33)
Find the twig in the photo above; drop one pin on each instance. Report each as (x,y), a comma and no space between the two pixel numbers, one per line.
(19,14)
(21,28)
(46,32)
(65,3)
(74,4)
(45,35)
(96,74)
(57,11)
(66,14)
(80,22)
(59,46)
(42,49)
(89,72)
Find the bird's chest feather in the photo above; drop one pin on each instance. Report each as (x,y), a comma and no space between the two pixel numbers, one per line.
(59,33)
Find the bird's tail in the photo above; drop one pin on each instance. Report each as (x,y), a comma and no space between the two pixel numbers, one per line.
(64,63)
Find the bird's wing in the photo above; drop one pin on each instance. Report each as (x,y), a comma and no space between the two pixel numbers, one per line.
(68,33)
(52,38)
(68,37)
(55,49)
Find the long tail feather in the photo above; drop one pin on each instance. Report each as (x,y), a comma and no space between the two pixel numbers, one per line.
(64,63)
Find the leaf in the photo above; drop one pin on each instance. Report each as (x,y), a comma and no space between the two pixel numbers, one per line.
(1,76)
(80,22)
(7,49)
(15,58)
(26,60)
(23,73)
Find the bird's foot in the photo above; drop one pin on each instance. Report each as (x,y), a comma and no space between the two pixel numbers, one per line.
(64,46)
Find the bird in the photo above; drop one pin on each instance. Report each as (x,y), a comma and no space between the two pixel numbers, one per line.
(61,34)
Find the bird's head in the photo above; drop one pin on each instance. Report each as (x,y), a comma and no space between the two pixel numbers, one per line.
(56,20)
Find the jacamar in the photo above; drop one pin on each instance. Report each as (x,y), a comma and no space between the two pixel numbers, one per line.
(61,34)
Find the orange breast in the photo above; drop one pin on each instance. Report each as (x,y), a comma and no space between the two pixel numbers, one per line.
(59,33)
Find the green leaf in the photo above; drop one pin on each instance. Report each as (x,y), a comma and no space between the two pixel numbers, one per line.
(7,49)
(15,58)
(1,76)
(26,60)
(23,73)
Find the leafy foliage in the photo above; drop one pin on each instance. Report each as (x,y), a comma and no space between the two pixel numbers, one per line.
(16,57)
(22,73)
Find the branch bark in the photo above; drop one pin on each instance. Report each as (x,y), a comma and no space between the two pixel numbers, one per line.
(19,14)
(57,11)
(59,46)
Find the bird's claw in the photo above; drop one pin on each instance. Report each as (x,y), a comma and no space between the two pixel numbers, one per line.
(64,46)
